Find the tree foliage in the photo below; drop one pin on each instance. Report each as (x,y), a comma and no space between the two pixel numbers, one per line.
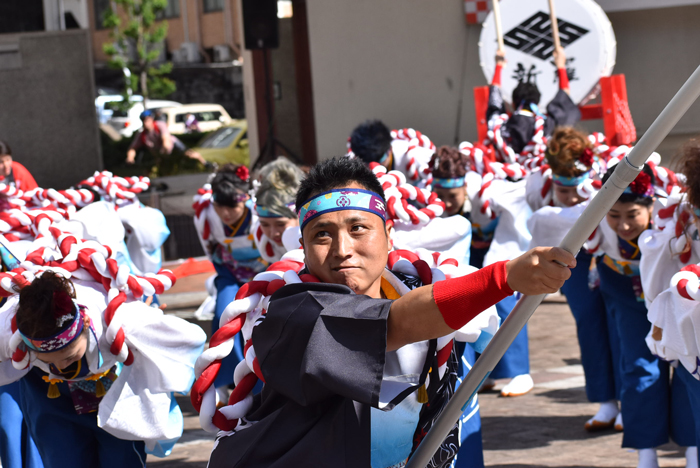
(136,44)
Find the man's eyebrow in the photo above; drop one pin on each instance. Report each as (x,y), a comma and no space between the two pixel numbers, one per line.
(349,220)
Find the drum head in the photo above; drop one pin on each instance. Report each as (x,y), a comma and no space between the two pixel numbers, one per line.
(585,33)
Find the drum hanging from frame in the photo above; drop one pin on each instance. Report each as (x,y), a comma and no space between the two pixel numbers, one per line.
(586,36)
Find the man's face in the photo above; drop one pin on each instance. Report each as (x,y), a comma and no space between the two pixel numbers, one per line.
(5,165)
(148,123)
(349,247)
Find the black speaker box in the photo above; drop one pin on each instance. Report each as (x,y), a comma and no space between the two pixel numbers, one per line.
(260,28)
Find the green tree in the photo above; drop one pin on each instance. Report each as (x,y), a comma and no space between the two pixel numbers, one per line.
(137,28)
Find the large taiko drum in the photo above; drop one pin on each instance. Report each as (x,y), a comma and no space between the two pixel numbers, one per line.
(585,33)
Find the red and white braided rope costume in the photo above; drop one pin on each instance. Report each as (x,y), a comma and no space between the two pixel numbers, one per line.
(412,152)
(251,304)
(127,330)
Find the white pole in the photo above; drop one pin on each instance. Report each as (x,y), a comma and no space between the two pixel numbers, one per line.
(555,25)
(497,18)
(585,225)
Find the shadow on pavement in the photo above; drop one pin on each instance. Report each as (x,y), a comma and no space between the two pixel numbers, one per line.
(525,432)
(565,396)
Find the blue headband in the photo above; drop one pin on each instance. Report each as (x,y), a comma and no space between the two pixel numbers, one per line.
(342,199)
(264,212)
(570,181)
(448,183)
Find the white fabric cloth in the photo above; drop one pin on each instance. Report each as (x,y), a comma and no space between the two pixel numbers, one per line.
(511,237)
(451,236)
(549,224)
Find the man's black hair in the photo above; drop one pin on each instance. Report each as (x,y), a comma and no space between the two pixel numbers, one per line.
(370,141)
(227,187)
(526,93)
(337,173)
(631,197)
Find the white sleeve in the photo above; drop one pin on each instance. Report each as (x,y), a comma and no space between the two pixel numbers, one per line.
(679,320)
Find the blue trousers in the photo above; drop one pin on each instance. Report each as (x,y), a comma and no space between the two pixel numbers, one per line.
(226,288)
(644,393)
(597,334)
(17,449)
(685,394)
(471,452)
(516,360)
(67,439)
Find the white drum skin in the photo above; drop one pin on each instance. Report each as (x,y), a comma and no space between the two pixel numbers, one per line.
(586,36)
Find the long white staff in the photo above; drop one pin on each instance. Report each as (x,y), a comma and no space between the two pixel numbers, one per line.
(627,171)
(555,25)
(497,18)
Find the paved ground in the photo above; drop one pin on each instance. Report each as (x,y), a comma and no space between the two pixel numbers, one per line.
(541,429)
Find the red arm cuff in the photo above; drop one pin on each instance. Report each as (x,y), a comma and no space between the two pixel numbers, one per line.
(563,79)
(461,299)
(497,75)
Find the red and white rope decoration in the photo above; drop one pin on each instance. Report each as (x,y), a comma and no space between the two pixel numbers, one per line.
(88,260)
(686,283)
(251,303)
(118,190)
(398,193)
(202,200)
(494,137)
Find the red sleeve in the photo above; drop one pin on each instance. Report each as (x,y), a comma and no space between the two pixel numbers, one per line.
(461,299)
(563,79)
(23,178)
(497,75)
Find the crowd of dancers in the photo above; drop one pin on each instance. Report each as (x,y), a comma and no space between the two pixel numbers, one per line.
(368,285)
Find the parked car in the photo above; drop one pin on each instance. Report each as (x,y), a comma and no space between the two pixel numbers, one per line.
(126,123)
(229,144)
(209,117)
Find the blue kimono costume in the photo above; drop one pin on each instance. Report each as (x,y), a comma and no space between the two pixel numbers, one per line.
(648,417)
(236,261)
(596,331)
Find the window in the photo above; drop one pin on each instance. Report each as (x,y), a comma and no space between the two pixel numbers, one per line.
(213,5)
(101,8)
(221,138)
(172,10)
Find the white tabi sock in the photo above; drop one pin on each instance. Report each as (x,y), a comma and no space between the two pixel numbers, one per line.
(605,417)
(519,385)
(691,457)
(647,458)
(618,422)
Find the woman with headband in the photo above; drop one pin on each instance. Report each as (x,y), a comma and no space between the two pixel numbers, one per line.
(277,228)
(649,410)
(82,405)
(568,183)
(224,220)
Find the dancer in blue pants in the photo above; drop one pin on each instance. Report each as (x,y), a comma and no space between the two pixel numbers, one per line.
(647,406)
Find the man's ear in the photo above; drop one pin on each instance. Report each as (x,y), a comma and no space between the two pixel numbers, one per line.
(389,240)
(301,241)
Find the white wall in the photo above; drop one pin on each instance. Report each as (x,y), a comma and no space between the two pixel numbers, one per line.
(399,61)
(409,62)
